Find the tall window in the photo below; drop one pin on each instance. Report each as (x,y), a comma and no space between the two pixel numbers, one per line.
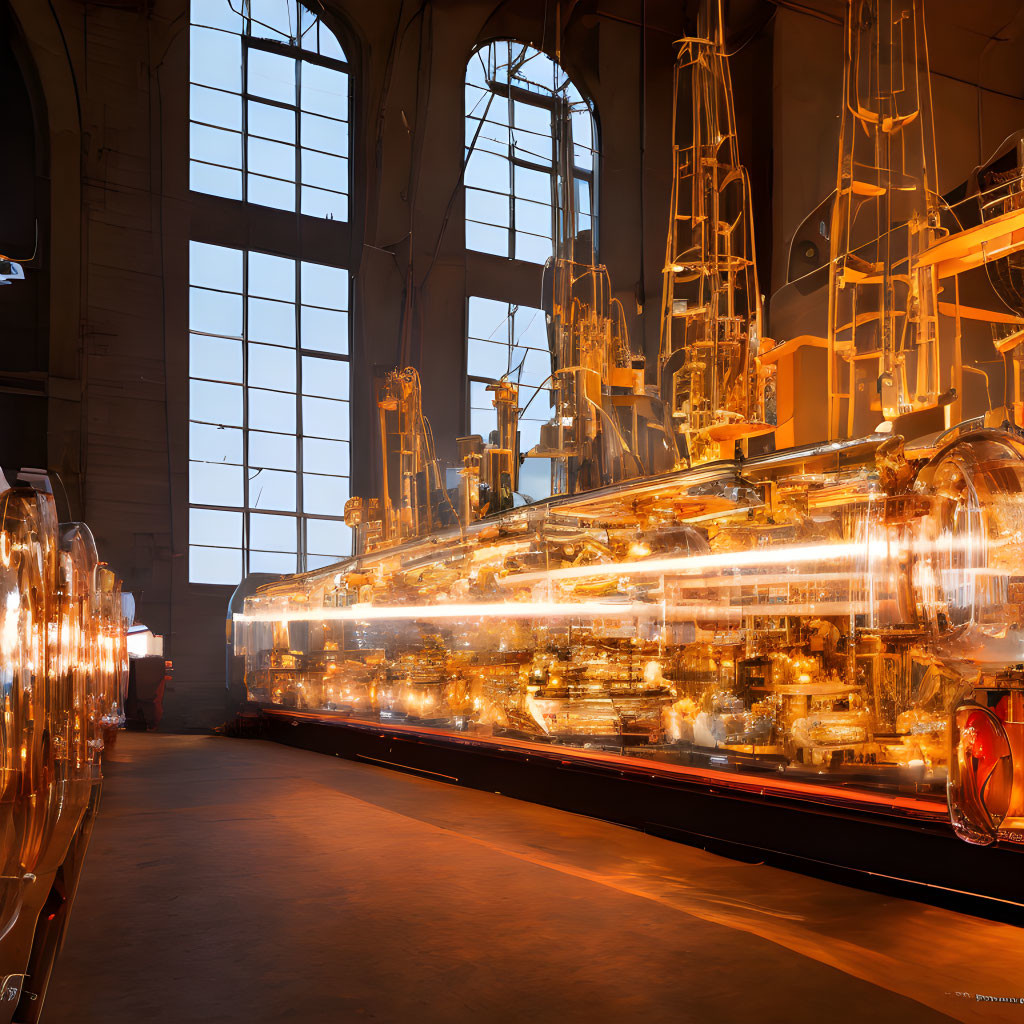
(530,154)
(269,333)
(269,416)
(531,161)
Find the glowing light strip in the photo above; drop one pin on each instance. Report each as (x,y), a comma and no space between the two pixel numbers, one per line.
(502,609)
(697,563)
(545,610)
(871,550)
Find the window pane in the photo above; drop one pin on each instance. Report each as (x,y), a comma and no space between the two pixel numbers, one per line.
(324,494)
(271,561)
(327,378)
(320,456)
(324,330)
(534,217)
(207,526)
(324,286)
(215,266)
(215,403)
(534,365)
(487,207)
(213,443)
(212,106)
(480,399)
(272,159)
(325,134)
(328,537)
(272,322)
(324,171)
(318,202)
(271,76)
(530,327)
(215,358)
(272,277)
(271,122)
(278,195)
(582,128)
(324,91)
(271,451)
(534,185)
(271,410)
(583,197)
(489,359)
(531,118)
(274,19)
(488,319)
(215,181)
(217,14)
(214,565)
(482,422)
(272,489)
(485,170)
(215,312)
(322,417)
(215,59)
(535,148)
(272,367)
(212,484)
(532,248)
(215,145)
(329,45)
(484,238)
(272,533)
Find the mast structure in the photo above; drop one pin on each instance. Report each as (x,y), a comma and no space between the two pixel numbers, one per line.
(884,355)
(605,427)
(711,321)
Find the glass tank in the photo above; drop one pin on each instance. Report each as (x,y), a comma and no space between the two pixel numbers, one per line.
(818,614)
(63,676)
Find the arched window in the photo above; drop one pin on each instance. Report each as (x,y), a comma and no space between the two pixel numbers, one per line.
(530,153)
(531,163)
(269,332)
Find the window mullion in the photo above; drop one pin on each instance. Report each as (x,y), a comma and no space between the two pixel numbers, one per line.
(300,532)
(245,412)
(511,182)
(245,119)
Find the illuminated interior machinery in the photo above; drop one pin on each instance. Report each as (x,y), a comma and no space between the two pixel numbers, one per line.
(711,334)
(608,424)
(63,677)
(883,299)
(845,611)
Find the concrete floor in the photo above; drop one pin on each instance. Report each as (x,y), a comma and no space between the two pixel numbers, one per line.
(241,881)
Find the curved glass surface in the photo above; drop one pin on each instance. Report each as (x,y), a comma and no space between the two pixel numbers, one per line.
(797,620)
